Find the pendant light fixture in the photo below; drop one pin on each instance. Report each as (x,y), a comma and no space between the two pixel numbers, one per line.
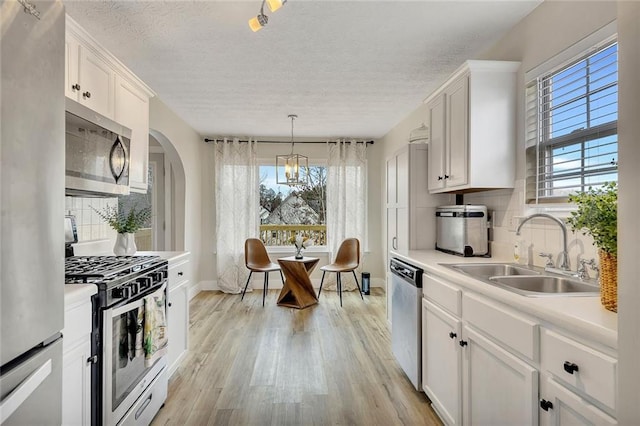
(292,169)
(261,19)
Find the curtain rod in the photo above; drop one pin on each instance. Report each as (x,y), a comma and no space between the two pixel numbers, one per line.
(207,140)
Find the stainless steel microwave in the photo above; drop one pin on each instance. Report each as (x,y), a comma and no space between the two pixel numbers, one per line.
(97,153)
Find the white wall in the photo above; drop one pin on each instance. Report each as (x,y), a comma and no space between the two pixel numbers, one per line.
(629,205)
(545,32)
(191,149)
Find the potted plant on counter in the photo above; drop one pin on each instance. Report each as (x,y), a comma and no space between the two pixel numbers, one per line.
(125,224)
(597,216)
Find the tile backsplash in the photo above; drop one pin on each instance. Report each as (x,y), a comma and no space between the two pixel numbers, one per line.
(539,235)
(89,225)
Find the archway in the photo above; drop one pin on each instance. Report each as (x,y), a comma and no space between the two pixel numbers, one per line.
(175,185)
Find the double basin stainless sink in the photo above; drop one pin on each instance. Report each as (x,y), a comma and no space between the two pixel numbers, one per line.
(528,281)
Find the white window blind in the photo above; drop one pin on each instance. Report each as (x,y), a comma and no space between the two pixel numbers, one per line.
(571,127)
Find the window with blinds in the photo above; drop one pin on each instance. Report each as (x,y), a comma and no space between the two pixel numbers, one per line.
(572,127)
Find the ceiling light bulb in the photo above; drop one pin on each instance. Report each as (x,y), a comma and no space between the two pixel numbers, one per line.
(275,4)
(258,22)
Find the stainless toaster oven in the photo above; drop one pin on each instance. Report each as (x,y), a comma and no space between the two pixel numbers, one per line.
(462,230)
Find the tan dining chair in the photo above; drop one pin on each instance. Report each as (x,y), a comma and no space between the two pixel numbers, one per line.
(347,260)
(257,259)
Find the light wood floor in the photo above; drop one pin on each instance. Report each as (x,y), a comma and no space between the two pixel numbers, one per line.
(324,365)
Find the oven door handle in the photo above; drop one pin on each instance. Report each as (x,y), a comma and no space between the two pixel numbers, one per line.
(114,312)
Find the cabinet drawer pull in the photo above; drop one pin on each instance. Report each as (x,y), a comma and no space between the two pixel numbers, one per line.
(453,335)
(180,274)
(75,87)
(570,367)
(143,407)
(545,405)
(462,343)
(92,359)
(86,95)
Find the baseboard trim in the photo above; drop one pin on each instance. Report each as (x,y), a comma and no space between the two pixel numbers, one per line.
(274,284)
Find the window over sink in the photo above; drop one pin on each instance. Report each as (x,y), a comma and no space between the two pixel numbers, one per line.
(572,126)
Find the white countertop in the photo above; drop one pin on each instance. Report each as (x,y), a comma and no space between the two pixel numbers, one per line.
(583,315)
(169,255)
(78,293)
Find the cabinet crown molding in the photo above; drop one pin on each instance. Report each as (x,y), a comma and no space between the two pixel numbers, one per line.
(89,42)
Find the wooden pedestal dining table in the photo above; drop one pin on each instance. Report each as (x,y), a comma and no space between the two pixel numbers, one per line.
(297,291)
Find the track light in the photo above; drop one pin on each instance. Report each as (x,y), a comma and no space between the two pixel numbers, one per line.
(275,4)
(258,22)
(261,19)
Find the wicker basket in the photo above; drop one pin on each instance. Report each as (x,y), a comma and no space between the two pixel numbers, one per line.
(608,281)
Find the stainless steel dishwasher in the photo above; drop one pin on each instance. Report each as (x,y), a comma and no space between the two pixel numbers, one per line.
(406,320)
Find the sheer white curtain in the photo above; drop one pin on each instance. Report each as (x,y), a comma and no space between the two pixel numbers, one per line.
(346,201)
(237,200)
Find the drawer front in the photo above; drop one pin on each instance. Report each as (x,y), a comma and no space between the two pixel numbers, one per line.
(178,274)
(445,295)
(513,330)
(77,324)
(588,370)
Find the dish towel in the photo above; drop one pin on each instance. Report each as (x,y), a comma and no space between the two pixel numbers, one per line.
(155,326)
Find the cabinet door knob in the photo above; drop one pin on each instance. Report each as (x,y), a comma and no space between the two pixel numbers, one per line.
(545,405)
(439,177)
(180,274)
(92,359)
(570,367)
(75,87)
(169,304)
(86,94)
(447,176)
(462,343)
(453,335)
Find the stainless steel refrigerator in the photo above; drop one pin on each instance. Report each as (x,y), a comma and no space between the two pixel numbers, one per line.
(31,211)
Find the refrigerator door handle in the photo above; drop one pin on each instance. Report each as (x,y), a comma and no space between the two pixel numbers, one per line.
(20,394)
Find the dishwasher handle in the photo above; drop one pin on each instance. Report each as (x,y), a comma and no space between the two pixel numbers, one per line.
(409,273)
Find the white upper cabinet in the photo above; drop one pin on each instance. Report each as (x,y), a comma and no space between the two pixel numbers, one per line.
(132,110)
(95,78)
(89,79)
(473,128)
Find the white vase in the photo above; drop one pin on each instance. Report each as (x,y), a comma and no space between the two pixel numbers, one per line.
(125,245)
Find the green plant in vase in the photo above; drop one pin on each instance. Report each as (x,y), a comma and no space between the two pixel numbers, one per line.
(125,224)
(597,216)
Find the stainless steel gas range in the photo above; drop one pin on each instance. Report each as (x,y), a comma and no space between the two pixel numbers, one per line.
(128,347)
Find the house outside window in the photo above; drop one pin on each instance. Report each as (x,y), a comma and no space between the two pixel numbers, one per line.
(572,117)
(288,211)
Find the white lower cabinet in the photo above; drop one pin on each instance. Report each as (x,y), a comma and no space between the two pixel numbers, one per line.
(178,311)
(178,320)
(442,362)
(484,363)
(561,407)
(76,364)
(498,388)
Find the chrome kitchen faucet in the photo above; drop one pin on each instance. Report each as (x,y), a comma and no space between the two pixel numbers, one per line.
(564,265)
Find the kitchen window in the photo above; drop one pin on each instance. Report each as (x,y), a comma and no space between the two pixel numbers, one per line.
(286,211)
(572,126)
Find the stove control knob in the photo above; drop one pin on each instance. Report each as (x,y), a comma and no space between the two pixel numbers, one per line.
(144,282)
(134,288)
(120,292)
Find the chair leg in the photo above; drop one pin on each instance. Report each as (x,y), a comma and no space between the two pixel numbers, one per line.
(359,289)
(246,285)
(339,283)
(282,277)
(321,281)
(266,286)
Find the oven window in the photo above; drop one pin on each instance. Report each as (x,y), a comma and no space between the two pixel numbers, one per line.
(128,366)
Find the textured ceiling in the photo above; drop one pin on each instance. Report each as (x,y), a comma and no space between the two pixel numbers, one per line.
(347,68)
